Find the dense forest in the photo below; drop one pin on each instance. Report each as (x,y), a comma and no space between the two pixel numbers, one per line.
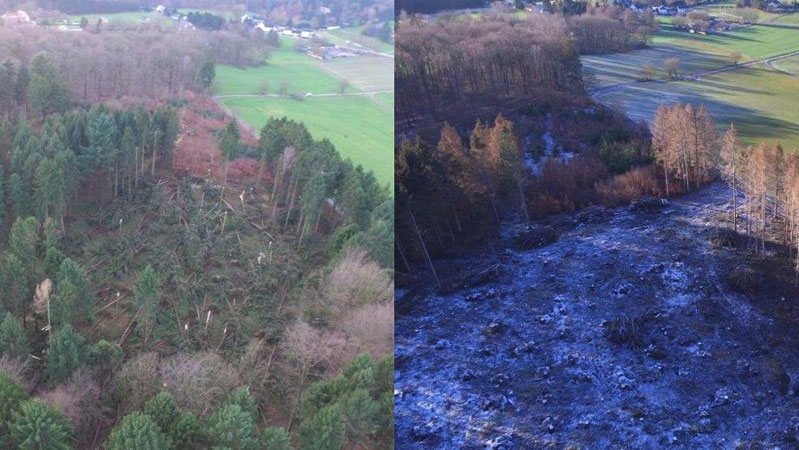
(145,63)
(486,108)
(427,7)
(316,13)
(451,67)
(527,155)
(149,306)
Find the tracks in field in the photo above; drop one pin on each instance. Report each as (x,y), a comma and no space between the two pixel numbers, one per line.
(697,75)
(346,94)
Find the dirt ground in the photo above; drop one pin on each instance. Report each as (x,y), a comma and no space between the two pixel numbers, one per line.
(640,327)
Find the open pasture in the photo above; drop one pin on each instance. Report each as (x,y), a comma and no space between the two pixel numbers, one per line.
(760,101)
(360,129)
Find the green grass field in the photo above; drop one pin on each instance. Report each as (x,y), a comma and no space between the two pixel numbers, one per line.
(360,129)
(792,18)
(761,102)
(124,17)
(367,73)
(303,74)
(360,126)
(790,65)
(694,51)
(754,42)
(343,36)
(385,101)
(132,18)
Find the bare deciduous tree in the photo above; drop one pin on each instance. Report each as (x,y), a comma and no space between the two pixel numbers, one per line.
(672,68)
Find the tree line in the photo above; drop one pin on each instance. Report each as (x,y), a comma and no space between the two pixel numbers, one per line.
(767,177)
(323,13)
(205,20)
(448,67)
(425,7)
(452,64)
(113,64)
(444,190)
(313,181)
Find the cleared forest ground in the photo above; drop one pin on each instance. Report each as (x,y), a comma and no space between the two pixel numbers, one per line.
(637,328)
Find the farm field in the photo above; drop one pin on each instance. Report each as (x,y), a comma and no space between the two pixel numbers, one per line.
(757,41)
(792,19)
(367,73)
(695,52)
(123,17)
(385,101)
(760,101)
(790,65)
(303,74)
(135,16)
(344,36)
(360,129)
(360,126)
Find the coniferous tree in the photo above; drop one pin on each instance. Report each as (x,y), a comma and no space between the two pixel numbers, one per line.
(73,299)
(185,429)
(231,427)
(361,413)
(68,351)
(49,189)
(24,238)
(105,355)
(324,430)
(18,290)
(21,86)
(274,438)
(242,397)
(16,193)
(48,91)
(36,426)
(13,341)
(207,73)
(162,409)
(137,431)
(11,398)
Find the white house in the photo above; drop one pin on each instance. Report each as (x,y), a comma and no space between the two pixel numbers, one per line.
(306,34)
(16,18)
(160,9)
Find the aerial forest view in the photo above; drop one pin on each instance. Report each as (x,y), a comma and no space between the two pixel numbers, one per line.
(597,240)
(196,225)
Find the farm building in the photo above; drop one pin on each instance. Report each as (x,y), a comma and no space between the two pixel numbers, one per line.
(16,18)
